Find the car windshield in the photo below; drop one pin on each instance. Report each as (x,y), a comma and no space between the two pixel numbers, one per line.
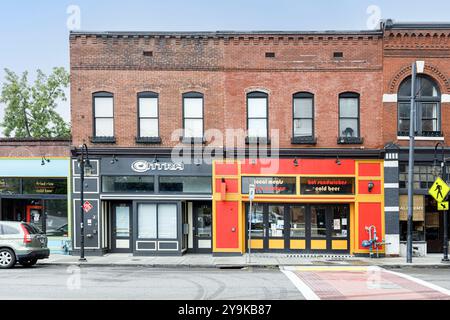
(31,229)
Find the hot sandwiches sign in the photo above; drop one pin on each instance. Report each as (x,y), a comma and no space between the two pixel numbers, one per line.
(314,185)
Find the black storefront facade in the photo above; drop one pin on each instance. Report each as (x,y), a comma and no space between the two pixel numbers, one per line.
(144,204)
(428,221)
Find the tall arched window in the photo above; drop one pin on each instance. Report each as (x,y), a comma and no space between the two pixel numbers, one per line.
(103,109)
(257,114)
(349,131)
(193,115)
(428,107)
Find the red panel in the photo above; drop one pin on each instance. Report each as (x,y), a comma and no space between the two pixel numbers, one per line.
(369,214)
(232,185)
(226,220)
(364,187)
(226,169)
(369,169)
(305,166)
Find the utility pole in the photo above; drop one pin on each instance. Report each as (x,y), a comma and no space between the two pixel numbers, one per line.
(412,128)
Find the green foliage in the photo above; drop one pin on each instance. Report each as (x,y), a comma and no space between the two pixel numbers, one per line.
(30,109)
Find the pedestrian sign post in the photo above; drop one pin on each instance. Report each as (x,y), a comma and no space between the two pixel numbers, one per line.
(443,206)
(251,196)
(439,190)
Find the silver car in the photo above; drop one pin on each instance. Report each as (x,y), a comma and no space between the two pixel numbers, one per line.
(21,242)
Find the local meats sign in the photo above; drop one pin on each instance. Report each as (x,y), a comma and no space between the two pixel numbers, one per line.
(319,186)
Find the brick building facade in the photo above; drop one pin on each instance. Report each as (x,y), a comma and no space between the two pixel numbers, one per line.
(348,82)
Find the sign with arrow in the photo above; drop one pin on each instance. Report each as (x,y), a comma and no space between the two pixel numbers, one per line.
(439,190)
(443,206)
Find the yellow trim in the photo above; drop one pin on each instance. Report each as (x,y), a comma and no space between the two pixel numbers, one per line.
(256,243)
(276,244)
(339,244)
(298,244)
(318,244)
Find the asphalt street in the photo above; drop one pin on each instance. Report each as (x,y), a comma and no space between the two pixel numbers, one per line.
(50,282)
(123,283)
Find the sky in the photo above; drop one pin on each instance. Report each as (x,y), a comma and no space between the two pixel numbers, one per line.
(34,33)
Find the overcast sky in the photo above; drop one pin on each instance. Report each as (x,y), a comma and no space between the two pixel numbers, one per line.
(34,33)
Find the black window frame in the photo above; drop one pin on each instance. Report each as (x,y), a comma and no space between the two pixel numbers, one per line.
(349,140)
(420,101)
(193,95)
(258,95)
(303,139)
(139,137)
(102,139)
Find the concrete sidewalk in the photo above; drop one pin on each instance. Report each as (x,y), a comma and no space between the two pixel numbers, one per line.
(257,260)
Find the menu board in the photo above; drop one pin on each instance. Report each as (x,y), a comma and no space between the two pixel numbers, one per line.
(270,185)
(44,186)
(327,186)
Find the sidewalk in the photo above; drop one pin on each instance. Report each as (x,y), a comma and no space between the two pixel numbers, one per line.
(257,260)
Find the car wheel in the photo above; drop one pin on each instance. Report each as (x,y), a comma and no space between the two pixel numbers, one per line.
(28,263)
(7,258)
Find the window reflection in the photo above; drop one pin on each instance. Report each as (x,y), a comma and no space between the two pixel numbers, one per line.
(276,221)
(318,222)
(298,221)
(257,221)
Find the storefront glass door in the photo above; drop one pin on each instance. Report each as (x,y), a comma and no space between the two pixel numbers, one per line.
(203,227)
(329,228)
(121,228)
(309,228)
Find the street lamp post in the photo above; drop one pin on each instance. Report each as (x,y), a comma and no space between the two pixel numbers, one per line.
(85,169)
(412,119)
(444,177)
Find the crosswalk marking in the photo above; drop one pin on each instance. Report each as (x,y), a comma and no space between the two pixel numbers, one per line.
(359,282)
(421,282)
(301,286)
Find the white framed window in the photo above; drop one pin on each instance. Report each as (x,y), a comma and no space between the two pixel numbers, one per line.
(349,115)
(193,115)
(303,115)
(257,114)
(148,114)
(157,221)
(103,114)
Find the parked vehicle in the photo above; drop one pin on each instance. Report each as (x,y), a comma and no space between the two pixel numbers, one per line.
(21,242)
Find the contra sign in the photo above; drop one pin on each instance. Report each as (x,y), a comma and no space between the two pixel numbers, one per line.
(87,206)
(439,190)
(142,166)
(443,206)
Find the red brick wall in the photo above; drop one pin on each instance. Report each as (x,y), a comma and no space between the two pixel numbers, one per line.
(34,148)
(224,70)
(401,49)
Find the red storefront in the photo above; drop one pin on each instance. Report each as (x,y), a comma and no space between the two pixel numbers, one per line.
(301,205)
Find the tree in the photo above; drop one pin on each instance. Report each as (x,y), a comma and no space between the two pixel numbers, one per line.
(30,109)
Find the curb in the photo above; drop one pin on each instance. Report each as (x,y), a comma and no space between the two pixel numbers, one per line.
(233,266)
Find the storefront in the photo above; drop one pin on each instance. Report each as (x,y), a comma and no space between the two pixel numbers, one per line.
(428,221)
(300,205)
(35,190)
(145,206)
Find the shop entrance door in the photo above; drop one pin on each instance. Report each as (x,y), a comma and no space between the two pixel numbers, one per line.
(268,228)
(121,228)
(328,228)
(202,217)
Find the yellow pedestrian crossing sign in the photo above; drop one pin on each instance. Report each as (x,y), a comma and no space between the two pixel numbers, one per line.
(443,206)
(439,190)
